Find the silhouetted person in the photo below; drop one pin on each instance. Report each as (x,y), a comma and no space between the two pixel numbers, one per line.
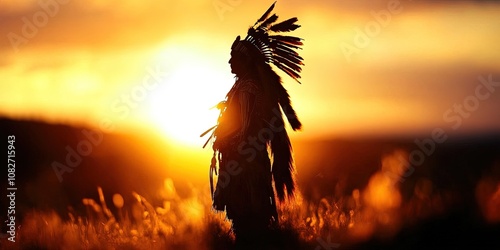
(251,131)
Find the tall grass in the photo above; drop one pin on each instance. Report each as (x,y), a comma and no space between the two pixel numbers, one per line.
(189,222)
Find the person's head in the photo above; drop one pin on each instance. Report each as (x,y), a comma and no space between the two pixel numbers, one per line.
(240,64)
(244,57)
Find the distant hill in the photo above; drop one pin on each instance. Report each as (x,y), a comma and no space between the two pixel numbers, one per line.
(456,164)
(118,163)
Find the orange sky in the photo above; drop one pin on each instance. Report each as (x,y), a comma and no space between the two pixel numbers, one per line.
(164,63)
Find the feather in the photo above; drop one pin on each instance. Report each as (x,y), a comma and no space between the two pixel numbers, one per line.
(286,106)
(286,47)
(286,26)
(208,140)
(208,130)
(277,49)
(289,59)
(266,14)
(265,25)
(282,168)
(287,39)
(289,64)
(288,71)
(294,121)
(290,47)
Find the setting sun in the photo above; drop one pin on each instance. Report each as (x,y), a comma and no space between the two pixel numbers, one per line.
(182,106)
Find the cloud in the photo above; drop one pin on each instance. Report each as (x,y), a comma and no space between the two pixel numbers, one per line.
(99,24)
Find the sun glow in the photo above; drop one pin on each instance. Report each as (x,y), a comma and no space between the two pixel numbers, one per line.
(183,106)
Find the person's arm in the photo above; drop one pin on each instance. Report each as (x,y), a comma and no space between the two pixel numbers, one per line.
(235,120)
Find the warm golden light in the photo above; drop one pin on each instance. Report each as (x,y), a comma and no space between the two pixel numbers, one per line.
(182,106)
(398,100)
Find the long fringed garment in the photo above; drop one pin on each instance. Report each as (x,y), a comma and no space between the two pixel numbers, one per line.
(249,129)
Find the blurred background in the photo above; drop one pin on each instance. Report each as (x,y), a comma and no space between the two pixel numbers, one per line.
(399,100)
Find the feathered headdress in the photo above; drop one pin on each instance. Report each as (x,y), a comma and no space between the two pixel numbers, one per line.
(277,49)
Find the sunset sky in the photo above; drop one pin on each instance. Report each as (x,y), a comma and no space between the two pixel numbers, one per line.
(371,67)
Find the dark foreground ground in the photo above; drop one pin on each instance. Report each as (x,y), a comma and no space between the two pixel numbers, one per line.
(450,199)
